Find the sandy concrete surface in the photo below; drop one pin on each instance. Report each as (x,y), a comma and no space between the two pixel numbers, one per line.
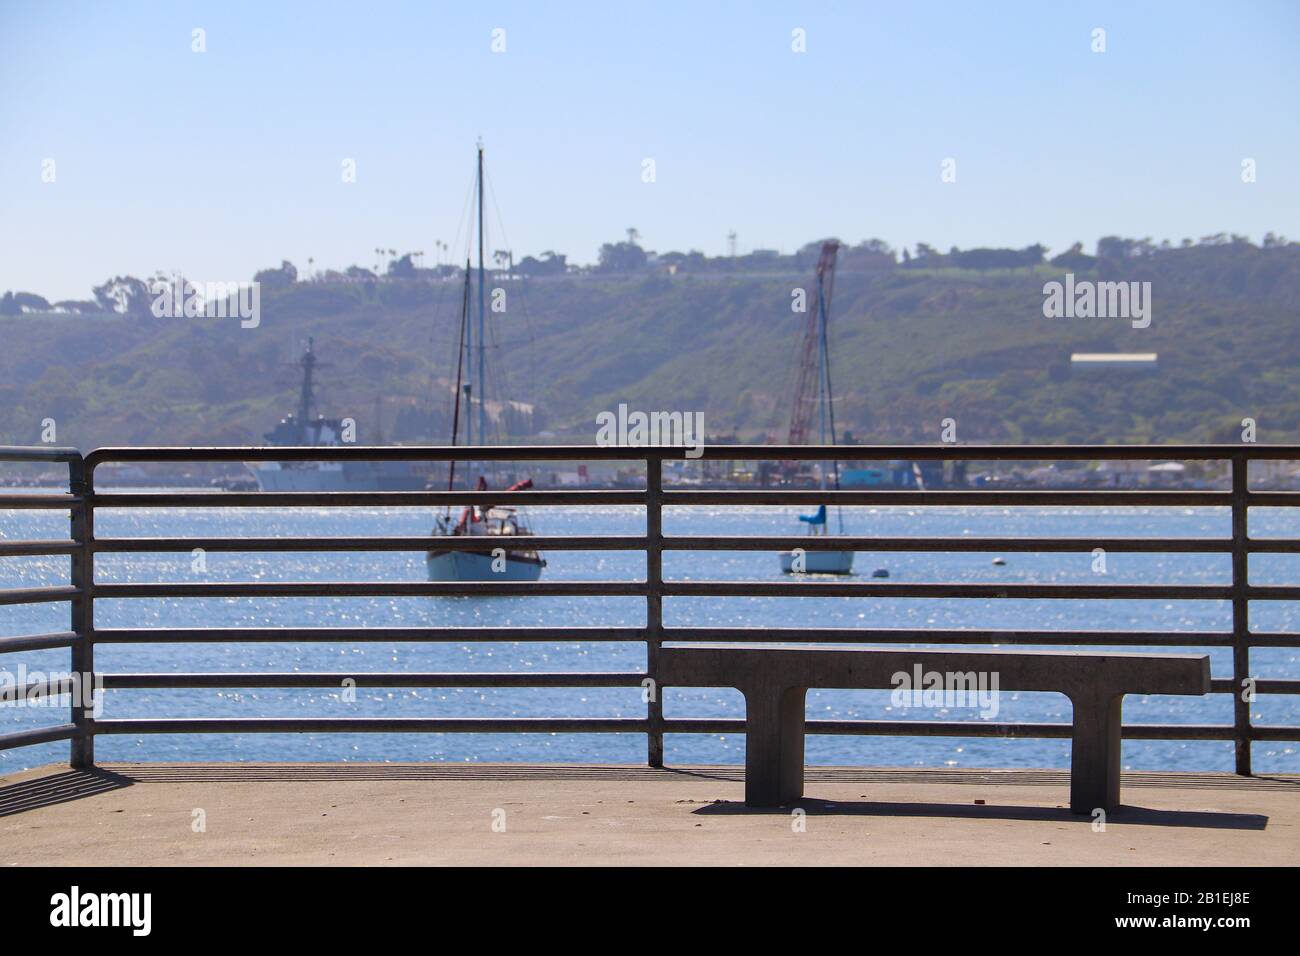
(395,814)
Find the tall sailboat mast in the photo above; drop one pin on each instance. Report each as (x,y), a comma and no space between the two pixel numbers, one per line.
(825,285)
(482,396)
(822,391)
(460,368)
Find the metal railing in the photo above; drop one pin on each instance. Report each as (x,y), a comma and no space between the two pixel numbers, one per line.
(82,501)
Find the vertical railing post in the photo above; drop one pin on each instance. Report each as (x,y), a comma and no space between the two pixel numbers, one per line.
(654,488)
(83,621)
(1240,610)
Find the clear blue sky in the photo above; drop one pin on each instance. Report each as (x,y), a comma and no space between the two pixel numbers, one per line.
(223,162)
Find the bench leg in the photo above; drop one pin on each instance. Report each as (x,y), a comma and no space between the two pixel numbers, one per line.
(774,725)
(1095,757)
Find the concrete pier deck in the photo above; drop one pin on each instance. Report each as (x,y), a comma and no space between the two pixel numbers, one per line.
(517,814)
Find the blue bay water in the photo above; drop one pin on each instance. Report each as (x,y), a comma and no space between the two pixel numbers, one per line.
(573,656)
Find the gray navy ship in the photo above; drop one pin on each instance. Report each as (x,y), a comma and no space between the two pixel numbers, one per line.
(307,429)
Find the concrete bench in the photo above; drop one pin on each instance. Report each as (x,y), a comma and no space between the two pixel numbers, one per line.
(775,682)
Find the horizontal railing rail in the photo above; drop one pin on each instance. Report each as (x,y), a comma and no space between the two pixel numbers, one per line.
(81,502)
(708,452)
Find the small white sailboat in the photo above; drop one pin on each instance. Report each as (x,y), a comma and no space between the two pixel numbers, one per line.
(808,561)
(817,341)
(510,560)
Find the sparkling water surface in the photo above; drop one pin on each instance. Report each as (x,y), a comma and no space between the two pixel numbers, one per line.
(1047,568)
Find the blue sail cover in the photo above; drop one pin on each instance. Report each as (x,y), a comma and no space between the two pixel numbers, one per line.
(818,518)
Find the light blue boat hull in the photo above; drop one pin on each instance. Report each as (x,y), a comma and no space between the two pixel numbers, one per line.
(469,566)
(819,562)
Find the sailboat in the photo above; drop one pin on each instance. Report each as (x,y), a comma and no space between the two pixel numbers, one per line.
(817,340)
(503,563)
(509,561)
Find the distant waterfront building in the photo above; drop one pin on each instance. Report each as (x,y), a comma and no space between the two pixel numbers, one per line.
(1128,473)
(1129,361)
(1166,473)
(896,474)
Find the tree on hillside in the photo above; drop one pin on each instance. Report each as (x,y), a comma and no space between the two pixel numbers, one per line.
(814,249)
(693,261)
(996,258)
(402,268)
(1075,259)
(1117,247)
(621,257)
(15,303)
(871,254)
(927,257)
(79,306)
(31,302)
(125,294)
(280,278)
(875,247)
(549,264)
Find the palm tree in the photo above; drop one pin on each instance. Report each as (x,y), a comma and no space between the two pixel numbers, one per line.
(632,236)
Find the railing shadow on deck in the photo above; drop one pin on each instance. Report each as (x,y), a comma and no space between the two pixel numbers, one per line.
(61,787)
(64,786)
(1125,815)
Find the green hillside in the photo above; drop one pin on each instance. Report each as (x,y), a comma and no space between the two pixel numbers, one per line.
(912,346)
